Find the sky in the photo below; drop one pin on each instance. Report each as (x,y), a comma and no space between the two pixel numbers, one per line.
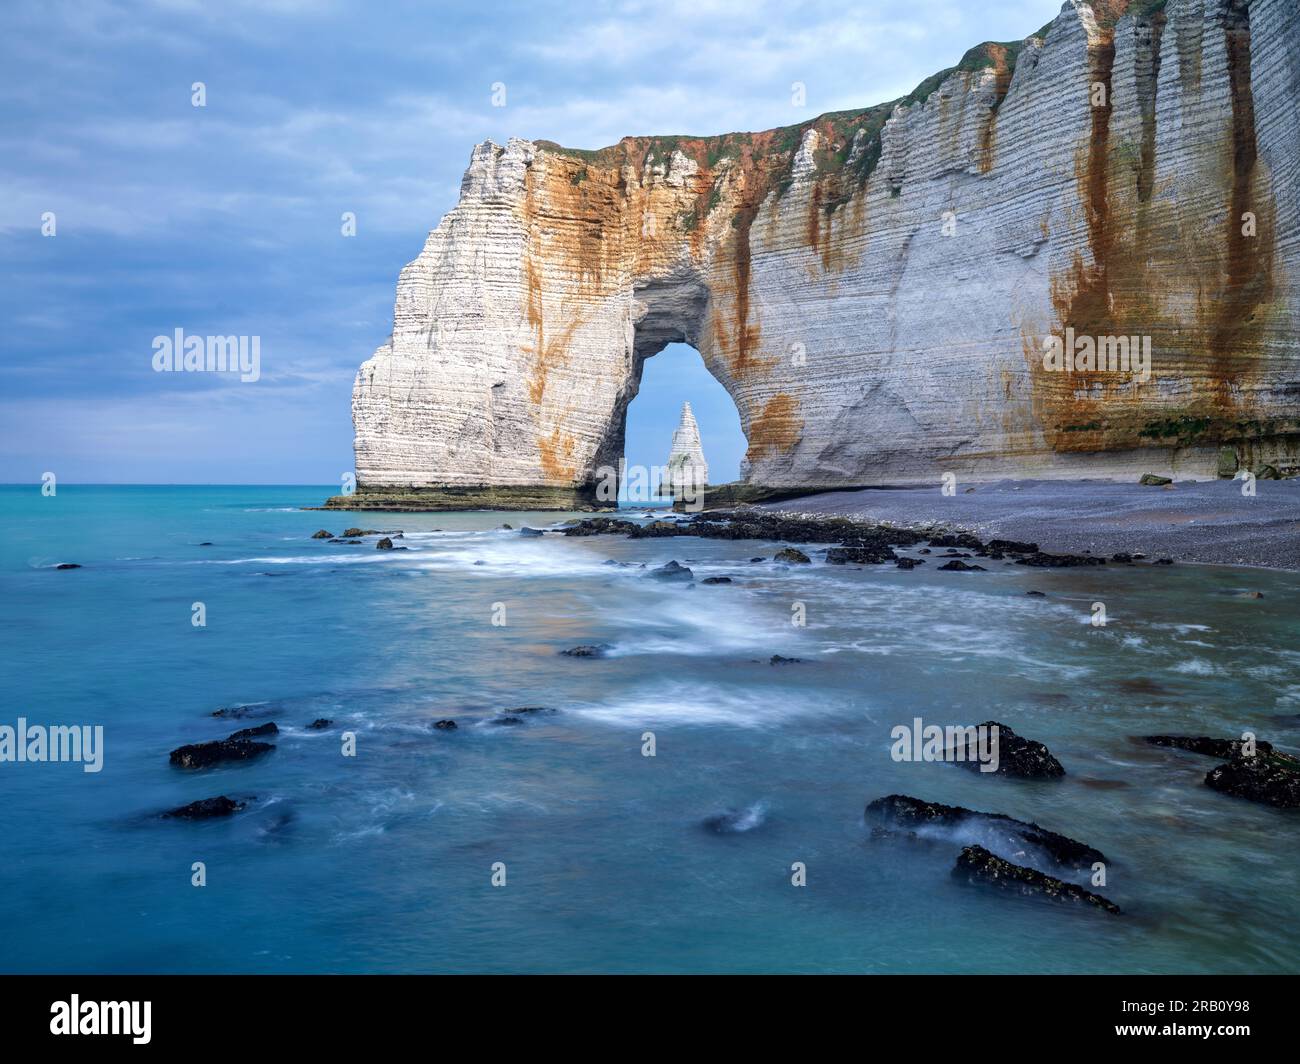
(226,219)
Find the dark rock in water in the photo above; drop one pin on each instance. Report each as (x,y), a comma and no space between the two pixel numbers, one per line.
(859,555)
(753,560)
(508,527)
(957,539)
(596,526)
(1201,744)
(1141,685)
(206,809)
(977,866)
(1122,558)
(526,531)
(1163,561)
(736,821)
(384,544)
(959,566)
(219,751)
(1269,777)
(996,831)
(206,543)
(1011,546)
(791,554)
(262,709)
(716,580)
(320,724)
(909,563)
(529,709)
(594,650)
(672,571)
(1036,594)
(268,728)
(1152,480)
(1058,561)
(445,725)
(505,721)
(68,565)
(353,533)
(322,534)
(777,659)
(1018,757)
(345,541)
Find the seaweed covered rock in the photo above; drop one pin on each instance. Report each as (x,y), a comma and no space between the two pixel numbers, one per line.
(220,751)
(976,865)
(903,814)
(1201,744)
(206,809)
(1269,777)
(1017,756)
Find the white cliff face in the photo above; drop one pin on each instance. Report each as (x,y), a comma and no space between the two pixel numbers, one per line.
(876,289)
(687,471)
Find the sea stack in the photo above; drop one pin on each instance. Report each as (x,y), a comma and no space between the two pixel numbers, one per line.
(687,471)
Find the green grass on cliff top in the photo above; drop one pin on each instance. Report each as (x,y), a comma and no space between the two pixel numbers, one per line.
(841,127)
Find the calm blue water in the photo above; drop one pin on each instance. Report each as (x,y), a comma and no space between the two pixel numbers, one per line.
(382,862)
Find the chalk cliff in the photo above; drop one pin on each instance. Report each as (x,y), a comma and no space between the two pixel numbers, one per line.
(876,288)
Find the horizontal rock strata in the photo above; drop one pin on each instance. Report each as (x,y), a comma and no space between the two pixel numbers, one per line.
(876,288)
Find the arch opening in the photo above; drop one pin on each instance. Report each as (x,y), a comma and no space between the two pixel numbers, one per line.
(665,381)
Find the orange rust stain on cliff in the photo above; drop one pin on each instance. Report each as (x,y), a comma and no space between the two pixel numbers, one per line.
(1248,274)
(1144,268)
(556,453)
(776,428)
(1002,72)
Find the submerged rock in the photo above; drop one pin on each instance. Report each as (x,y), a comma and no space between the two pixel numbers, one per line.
(793,555)
(526,531)
(320,724)
(716,580)
(672,571)
(995,831)
(777,659)
(206,809)
(1201,744)
(260,709)
(908,563)
(219,751)
(977,865)
(269,728)
(1017,757)
(1269,777)
(445,725)
(594,650)
(737,821)
(68,565)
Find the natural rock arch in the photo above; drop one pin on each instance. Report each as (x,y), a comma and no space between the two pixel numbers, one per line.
(874,288)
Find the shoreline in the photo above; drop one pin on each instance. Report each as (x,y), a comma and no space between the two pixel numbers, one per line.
(1210,522)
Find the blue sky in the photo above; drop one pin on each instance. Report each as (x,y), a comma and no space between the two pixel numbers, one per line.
(225,219)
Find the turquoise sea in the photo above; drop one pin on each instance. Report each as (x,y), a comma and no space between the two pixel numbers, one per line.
(383,862)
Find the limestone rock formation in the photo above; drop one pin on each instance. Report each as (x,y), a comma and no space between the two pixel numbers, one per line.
(879,289)
(687,472)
